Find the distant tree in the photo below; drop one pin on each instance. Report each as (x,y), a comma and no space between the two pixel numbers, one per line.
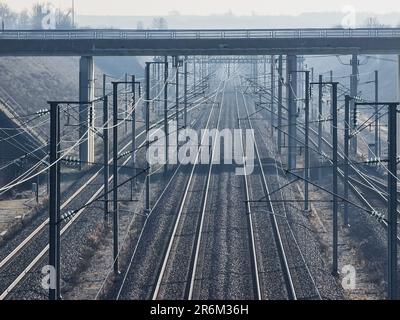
(373,22)
(7,16)
(58,18)
(24,20)
(39,11)
(63,19)
(159,23)
(140,25)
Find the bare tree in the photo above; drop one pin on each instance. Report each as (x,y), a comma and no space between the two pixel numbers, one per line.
(7,16)
(64,19)
(38,13)
(140,25)
(373,22)
(159,23)
(24,20)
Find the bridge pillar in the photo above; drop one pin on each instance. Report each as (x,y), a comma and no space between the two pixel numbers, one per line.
(291,94)
(398,99)
(86,111)
(398,77)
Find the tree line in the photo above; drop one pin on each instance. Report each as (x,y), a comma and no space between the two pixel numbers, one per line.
(33,18)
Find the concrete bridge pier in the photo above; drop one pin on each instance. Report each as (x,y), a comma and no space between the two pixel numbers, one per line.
(398,99)
(86,111)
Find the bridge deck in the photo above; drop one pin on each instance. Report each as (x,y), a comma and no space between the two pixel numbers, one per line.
(101,42)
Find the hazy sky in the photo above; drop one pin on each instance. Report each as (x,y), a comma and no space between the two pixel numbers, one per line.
(205,7)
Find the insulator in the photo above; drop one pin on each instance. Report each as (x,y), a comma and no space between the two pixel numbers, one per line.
(42,112)
(377,215)
(68,215)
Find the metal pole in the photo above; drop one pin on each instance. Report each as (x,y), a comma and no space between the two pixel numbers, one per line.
(265,71)
(166,112)
(292,110)
(280,84)
(331,108)
(194,75)
(312,115)
(346,158)
(177,103)
(377,138)
(255,71)
(37,187)
(202,67)
(53,210)
(147,208)
(158,85)
(106,173)
(133,135)
(185,92)
(153,90)
(335,181)
(47,183)
(126,101)
(272,94)
(353,94)
(115,176)
(320,124)
(306,151)
(58,226)
(392,212)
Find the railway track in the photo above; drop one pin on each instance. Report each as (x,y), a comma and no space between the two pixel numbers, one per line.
(161,222)
(175,247)
(284,273)
(367,186)
(190,268)
(226,249)
(294,271)
(224,263)
(199,261)
(33,248)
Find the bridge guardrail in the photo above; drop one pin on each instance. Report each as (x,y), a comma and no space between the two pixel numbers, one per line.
(91,34)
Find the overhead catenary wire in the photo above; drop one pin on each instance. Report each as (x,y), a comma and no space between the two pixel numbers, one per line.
(24,179)
(139,236)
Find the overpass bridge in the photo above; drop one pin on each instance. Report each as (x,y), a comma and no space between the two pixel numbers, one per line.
(119,42)
(88,43)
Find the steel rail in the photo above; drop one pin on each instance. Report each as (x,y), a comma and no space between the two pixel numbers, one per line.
(192,275)
(368,184)
(180,211)
(278,239)
(19,247)
(357,192)
(152,210)
(249,215)
(40,228)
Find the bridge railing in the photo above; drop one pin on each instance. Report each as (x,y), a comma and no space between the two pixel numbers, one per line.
(199,34)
